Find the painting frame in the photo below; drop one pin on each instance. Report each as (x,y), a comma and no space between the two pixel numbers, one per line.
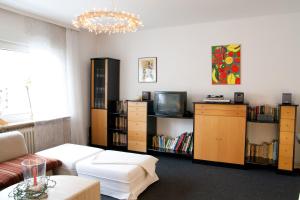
(226,64)
(147,70)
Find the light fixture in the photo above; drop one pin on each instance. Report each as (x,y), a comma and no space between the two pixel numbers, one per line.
(105,21)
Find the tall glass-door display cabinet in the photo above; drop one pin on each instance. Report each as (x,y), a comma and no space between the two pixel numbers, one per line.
(105,81)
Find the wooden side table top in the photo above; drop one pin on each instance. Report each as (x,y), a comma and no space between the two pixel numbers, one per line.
(67,187)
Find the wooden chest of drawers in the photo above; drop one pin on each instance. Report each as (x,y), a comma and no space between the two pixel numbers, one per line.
(137,126)
(287,137)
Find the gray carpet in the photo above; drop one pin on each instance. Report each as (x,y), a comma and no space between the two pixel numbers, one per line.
(183,180)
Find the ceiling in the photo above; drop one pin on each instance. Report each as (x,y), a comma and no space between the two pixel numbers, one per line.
(154,13)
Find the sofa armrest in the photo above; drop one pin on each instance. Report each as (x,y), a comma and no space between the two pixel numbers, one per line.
(12,145)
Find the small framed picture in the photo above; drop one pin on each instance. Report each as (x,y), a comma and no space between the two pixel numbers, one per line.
(148,70)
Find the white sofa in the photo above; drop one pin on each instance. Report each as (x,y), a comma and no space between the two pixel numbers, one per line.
(13,151)
(12,145)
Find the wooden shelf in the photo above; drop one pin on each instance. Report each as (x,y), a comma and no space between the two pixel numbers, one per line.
(170,152)
(263,122)
(119,114)
(260,161)
(118,130)
(122,147)
(168,116)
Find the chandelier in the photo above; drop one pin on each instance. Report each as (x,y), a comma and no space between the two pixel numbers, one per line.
(105,21)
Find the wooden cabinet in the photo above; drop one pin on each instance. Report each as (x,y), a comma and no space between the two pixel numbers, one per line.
(219,132)
(287,137)
(105,73)
(140,126)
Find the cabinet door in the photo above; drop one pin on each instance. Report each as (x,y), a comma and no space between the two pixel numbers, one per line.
(99,127)
(206,140)
(99,84)
(220,139)
(232,130)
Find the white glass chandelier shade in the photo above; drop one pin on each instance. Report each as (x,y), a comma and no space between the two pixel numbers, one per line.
(104,21)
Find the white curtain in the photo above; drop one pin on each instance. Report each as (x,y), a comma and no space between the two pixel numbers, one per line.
(75,90)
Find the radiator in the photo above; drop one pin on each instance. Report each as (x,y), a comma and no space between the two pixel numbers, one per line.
(29,138)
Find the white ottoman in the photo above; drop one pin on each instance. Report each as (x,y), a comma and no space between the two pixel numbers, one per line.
(121,181)
(69,155)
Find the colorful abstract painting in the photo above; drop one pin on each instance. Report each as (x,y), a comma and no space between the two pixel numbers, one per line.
(226,64)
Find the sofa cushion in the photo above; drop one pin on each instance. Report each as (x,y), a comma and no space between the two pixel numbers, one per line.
(11,170)
(12,145)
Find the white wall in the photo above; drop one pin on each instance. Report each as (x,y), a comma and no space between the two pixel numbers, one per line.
(269,60)
(80,114)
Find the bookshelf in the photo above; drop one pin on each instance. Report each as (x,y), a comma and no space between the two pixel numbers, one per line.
(118,126)
(181,145)
(140,128)
(263,120)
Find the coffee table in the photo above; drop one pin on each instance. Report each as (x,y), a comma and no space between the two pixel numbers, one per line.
(67,187)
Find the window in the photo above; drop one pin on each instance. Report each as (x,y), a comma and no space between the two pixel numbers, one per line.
(14,83)
(31,83)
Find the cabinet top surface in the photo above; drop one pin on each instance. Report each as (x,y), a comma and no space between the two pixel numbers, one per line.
(104,58)
(293,105)
(211,103)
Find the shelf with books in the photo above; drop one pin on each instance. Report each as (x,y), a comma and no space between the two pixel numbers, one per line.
(265,153)
(119,139)
(171,152)
(119,123)
(260,161)
(182,144)
(263,114)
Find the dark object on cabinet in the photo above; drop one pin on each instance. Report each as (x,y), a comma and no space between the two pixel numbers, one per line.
(146,96)
(239,97)
(105,76)
(286,98)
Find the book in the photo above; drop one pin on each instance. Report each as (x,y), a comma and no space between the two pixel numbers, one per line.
(270,151)
(180,142)
(183,143)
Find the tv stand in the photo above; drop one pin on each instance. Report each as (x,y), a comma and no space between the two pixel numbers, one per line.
(142,127)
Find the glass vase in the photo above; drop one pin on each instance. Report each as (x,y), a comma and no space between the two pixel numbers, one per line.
(34,173)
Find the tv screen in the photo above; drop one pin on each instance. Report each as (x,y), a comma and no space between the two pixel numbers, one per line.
(170,103)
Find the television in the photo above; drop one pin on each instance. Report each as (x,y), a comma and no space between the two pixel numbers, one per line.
(170,103)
